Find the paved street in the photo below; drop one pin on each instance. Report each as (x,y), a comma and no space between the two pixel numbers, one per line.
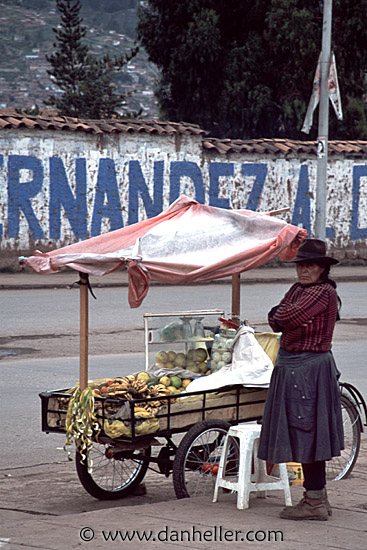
(42,503)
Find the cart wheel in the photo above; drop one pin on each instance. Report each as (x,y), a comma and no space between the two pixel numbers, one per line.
(115,473)
(197,459)
(341,466)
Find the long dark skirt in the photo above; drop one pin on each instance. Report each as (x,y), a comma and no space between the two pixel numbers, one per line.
(302,419)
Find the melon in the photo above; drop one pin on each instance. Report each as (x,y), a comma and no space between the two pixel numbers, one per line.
(180,360)
(200,355)
(176,381)
(165,380)
(171,356)
(143,376)
(193,368)
(161,357)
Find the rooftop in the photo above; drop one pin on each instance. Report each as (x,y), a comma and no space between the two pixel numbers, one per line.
(11,119)
(49,120)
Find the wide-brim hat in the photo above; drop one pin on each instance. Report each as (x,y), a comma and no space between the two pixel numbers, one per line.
(313,250)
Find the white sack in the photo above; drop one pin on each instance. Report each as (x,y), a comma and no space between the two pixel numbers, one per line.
(250,366)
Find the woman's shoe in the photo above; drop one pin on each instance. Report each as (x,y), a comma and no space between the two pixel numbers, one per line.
(307,508)
(327,504)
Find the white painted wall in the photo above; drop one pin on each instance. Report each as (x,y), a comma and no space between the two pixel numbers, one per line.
(58,187)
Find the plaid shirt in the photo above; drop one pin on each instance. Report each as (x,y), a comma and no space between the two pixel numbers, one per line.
(306,317)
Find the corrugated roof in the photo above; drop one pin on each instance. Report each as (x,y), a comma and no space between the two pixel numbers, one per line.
(11,119)
(49,120)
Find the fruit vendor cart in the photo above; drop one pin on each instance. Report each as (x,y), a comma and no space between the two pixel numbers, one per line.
(122,426)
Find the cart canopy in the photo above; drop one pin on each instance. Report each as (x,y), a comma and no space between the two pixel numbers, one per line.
(187,243)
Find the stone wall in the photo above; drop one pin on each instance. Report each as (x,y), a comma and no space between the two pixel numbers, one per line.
(59,187)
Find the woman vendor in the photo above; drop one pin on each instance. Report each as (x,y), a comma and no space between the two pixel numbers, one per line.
(302,419)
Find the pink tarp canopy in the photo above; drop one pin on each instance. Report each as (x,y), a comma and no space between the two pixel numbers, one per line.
(187,243)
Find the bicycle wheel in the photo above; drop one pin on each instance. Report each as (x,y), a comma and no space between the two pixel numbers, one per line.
(197,459)
(115,473)
(341,466)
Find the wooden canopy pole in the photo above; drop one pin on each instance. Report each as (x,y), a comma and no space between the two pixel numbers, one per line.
(236,298)
(83,354)
(236,281)
(280,211)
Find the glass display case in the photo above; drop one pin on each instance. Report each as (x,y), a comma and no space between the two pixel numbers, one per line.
(175,339)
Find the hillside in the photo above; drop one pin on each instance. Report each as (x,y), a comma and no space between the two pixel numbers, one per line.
(26,37)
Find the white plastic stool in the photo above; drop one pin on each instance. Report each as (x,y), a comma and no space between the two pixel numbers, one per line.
(245,482)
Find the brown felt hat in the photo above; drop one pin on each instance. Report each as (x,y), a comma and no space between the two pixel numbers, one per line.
(313,250)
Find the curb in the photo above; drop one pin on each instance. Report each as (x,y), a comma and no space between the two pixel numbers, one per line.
(122,284)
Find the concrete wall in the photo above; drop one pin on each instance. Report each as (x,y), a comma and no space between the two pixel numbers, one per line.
(60,187)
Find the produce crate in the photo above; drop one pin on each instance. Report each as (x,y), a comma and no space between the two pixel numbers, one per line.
(234,404)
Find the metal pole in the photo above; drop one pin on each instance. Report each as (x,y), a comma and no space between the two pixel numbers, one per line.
(83,354)
(236,298)
(323,130)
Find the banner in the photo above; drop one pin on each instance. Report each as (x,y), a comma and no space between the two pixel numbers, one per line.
(333,91)
(315,98)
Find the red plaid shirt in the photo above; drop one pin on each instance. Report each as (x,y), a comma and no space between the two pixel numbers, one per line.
(306,317)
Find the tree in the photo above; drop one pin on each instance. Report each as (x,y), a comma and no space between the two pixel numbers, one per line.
(245,69)
(86,82)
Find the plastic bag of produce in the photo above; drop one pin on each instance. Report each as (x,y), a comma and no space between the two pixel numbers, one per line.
(250,366)
(118,428)
(120,423)
(172,332)
(270,342)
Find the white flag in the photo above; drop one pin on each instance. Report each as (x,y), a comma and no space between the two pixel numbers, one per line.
(315,98)
(334,94)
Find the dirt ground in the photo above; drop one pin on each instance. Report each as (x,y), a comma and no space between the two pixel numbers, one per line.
(67,344)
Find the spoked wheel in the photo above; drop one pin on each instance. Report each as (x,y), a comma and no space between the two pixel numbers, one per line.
(197,459)
(115,473)
(341,466)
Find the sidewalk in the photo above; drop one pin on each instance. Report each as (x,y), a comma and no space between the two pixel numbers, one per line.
(177,524)
(28,279)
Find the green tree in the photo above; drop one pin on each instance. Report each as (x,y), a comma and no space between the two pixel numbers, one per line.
(244,69)
(86,82)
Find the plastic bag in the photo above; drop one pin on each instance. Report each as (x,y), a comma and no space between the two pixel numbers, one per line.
(270,342)
(250,366)
(120,423)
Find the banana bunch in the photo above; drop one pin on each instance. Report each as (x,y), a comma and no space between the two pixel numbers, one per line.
(139,387)
(158,390)
(127,387)
(130,388)
(152,407)
(143,412)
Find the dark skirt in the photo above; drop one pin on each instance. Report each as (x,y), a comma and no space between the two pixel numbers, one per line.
(302,419)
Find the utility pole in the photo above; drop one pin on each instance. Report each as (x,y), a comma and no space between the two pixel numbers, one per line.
(323,129)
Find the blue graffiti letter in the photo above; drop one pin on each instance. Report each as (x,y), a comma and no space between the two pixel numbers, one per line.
(21,192)
(106,186)
(302,210)
(138,187)
(62,195)
(355,231)
(260,172)
(191,170)
(217,170)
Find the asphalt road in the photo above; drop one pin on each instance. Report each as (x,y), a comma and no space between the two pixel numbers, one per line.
(55,311)
(41,328)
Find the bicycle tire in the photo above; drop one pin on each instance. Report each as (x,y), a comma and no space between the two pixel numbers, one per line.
(111,478)
(341,466)
(197,458)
